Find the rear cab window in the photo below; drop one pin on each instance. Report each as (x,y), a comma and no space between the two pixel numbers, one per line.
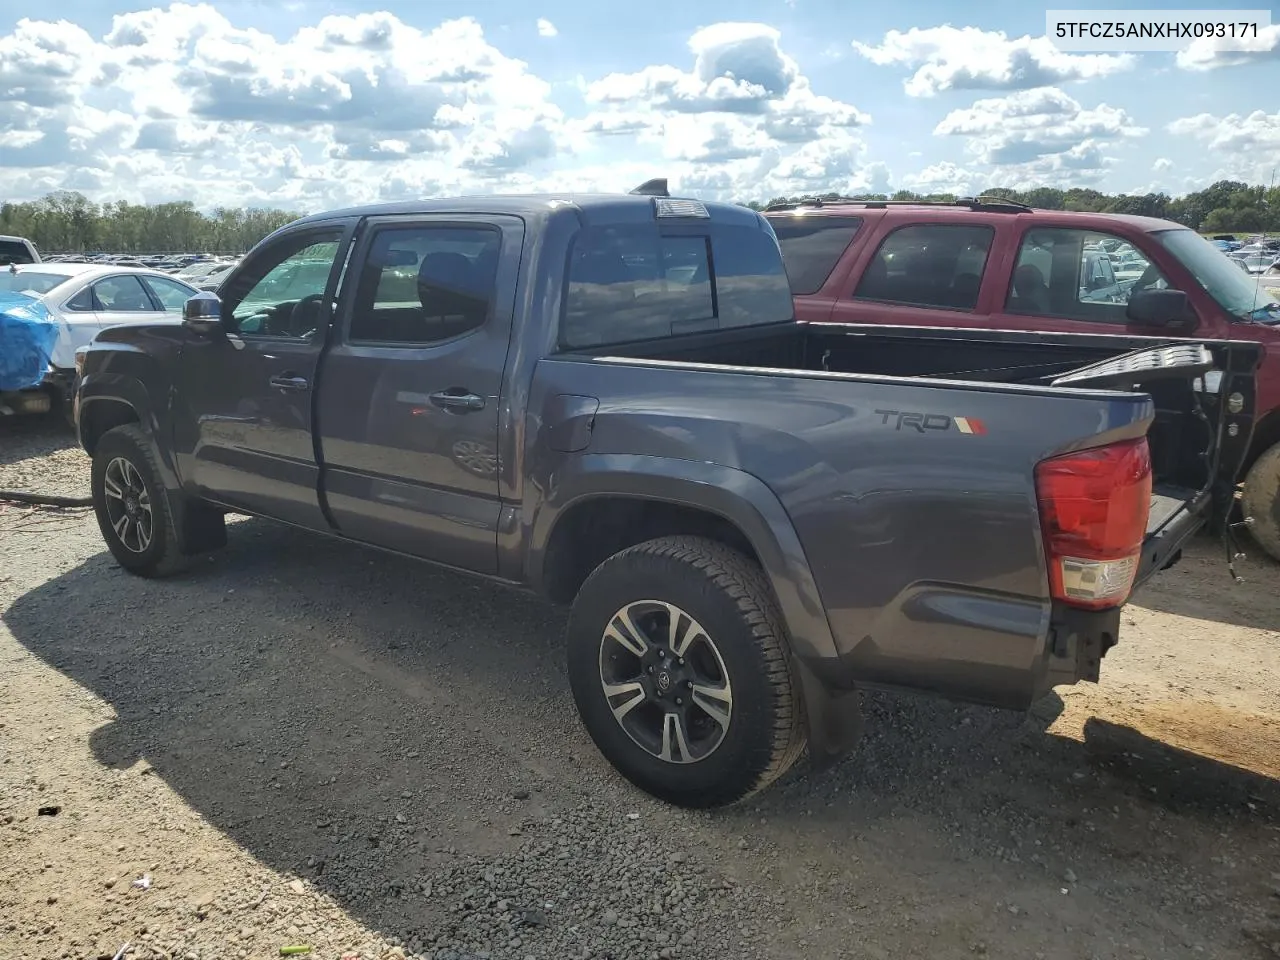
(812,245)
(645,281)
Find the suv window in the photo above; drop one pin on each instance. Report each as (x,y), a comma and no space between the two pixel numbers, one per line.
(812,246)
(635,282)
(423,284)
(929,265)
(1078,275)
(281,292)
(123,294)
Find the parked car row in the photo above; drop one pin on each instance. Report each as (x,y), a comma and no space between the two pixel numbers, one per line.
(51,306)
(1256,256)
(203,270)
(60,307)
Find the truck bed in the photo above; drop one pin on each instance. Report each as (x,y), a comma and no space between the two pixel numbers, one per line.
(1178,435)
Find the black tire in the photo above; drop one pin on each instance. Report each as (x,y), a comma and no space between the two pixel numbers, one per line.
(1261,501)
(727,595)
(159,553)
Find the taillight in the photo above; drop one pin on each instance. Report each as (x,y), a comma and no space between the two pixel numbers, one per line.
(1093,511)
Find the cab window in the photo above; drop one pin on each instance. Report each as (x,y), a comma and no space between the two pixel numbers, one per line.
(281,293)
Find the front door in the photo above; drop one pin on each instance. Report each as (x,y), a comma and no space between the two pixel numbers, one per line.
(408,404)
(248,439)
(1078,281)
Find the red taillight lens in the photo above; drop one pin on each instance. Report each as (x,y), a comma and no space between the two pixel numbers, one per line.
(1093,511)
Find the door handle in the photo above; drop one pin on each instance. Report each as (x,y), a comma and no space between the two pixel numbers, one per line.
(457,400)
(285,382)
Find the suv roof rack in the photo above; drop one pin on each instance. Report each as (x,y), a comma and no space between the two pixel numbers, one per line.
(982,203)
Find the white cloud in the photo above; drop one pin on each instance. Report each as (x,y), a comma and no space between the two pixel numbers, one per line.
(1246,144)
(183,99)
(944,177)
(546,28)
(967,58)
(1162,165)
(1039,133)
(743,107)
(186,101)
(1209,53)
(1258,131)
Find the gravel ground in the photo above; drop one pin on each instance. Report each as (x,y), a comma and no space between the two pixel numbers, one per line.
(299,742)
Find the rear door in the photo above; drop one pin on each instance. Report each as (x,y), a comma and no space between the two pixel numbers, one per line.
(123,299)
(170,294)
(920,274)
(408,405)
(106,302)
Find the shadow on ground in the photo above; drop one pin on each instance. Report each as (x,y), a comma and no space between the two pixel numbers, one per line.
(23,438)
(1199,586)
(293,689)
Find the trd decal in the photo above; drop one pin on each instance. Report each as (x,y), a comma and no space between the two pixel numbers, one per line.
(920,422)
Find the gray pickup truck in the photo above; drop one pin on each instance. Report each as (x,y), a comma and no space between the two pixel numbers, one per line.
(607,400)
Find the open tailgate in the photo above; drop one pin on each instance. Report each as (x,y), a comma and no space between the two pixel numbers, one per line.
(1204,393)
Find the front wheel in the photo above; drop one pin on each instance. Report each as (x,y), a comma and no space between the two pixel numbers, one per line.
(680,673)
(133,510)
(1261,500)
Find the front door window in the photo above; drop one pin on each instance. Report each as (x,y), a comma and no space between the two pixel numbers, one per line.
(281,293)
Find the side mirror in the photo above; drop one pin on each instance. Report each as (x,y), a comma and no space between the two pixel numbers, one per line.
(1160,308)
(203,314)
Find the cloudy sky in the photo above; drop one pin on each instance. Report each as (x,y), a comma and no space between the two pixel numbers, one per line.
(310,104)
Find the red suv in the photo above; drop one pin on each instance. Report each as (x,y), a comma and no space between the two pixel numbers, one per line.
(998,264)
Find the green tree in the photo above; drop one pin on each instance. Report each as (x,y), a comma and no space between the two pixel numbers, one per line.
(68,222)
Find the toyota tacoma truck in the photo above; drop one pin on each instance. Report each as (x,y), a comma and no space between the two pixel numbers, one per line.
(607,400)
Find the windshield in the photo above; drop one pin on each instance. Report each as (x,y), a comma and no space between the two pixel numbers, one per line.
(24,281)
(1233,289)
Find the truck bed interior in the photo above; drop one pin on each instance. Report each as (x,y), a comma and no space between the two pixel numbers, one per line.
(1180,436)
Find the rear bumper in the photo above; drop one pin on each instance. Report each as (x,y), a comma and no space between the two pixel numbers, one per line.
(54,393)
(1078,640)
(1070,651)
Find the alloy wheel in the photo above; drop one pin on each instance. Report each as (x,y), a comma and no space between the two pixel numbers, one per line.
(665,681)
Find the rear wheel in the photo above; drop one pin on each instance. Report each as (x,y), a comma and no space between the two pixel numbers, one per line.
(680,673)
(132,507)
(1261,500)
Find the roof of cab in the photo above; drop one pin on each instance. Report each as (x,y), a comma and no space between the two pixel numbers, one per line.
(624,205)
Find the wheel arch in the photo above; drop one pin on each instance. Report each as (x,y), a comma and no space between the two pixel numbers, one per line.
(678,497)
(98,415)
(732,504)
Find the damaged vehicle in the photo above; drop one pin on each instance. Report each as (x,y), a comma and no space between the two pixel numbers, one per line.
(608,400)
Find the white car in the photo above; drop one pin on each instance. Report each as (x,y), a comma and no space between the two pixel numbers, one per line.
(83,299)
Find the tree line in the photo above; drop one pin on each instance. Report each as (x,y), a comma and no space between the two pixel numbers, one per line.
(1228,206)
(68,222)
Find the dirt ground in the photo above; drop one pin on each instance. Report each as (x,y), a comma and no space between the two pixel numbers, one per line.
(304,743)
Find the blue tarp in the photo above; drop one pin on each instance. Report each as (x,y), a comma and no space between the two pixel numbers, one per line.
(27,336)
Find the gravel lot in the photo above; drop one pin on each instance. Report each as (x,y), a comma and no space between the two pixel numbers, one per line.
(302,742)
